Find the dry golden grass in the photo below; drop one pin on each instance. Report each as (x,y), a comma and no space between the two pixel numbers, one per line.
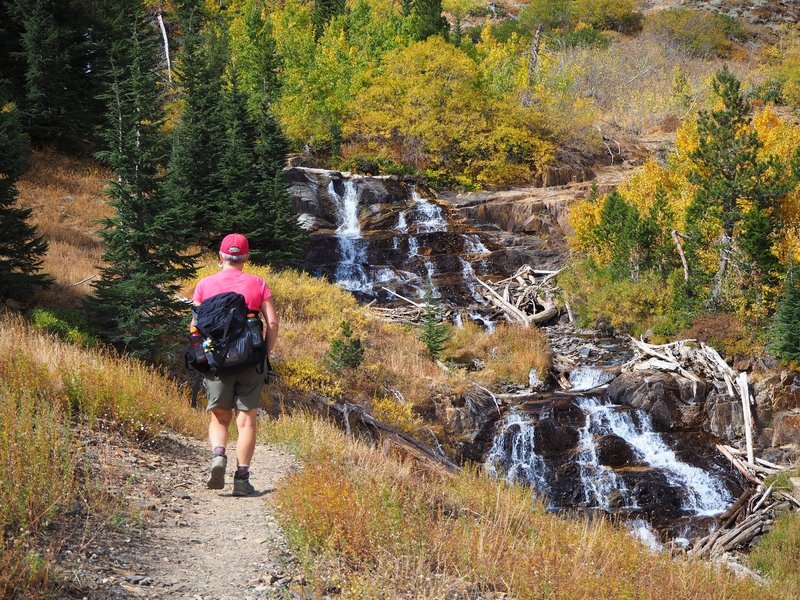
(47,387)
(66,196)
(377,528)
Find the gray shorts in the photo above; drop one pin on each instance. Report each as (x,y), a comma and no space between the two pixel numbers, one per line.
(239,390)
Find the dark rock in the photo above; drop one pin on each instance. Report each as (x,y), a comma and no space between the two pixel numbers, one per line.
(552,438)
(614,451)
(656,393)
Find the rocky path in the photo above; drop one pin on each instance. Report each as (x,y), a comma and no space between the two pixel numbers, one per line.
(187,541)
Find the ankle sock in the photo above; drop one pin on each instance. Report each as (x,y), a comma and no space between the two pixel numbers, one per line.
(242,472)
(218,451)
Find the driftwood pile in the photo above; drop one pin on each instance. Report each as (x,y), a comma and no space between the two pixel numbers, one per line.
(754,512)
(525,298)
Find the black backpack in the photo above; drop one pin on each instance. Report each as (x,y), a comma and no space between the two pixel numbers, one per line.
(228,345)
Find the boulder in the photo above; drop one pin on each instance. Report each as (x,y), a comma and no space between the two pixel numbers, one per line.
(613,451)
(550,437)
(668,400)
(787,428)
(468,418)
(724,417)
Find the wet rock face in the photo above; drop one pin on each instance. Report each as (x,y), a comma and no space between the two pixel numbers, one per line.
(670,401)
(553,438)
(724,417)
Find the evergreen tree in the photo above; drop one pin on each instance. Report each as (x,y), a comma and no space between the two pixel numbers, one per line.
(655,237)
(135,303)
(21,249)
(323,11)
(736,191)
(346,351)
(785,328)
(618,233)
(254,191)
(57,52)
(192,179)
(427,19)
(433,332)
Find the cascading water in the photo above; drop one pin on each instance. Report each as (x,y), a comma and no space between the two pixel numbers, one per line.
(601,485)
(430,216)
(474,245)
(703,494)
(513,455)
(593,455)
(350,270)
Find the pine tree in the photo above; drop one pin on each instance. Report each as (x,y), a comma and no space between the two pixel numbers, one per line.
(785,328)
(135,305)
(433,332)
(21,249)
(56,50)
(192,178)
(346,351)
(255,191)
(427,19)
(735,189)
(618,232)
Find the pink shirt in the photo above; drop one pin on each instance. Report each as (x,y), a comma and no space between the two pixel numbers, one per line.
(252,287)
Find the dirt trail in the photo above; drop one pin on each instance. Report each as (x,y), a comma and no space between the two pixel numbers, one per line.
(191,542)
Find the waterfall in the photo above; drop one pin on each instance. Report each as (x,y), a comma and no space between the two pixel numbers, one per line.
(513,456)
(430,215)
(468,274)
(474,245)
(350,273)
(702,494)
(587,378)
(487,323)
(413,246)
(600,483)
(402,225)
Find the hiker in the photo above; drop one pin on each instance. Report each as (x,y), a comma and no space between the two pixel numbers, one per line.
(237,393)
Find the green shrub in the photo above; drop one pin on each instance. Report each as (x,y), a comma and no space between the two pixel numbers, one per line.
(68,324)
(346,352)
(585,37)
(699,33)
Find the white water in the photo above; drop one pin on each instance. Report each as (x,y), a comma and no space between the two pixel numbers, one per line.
(413,246)
(430,216)
(641,530)
(522,463)
(474,245)
(600,483)
(587,378)
(402,225)
(350,273)
(702,494)
(469,277)
(487,323)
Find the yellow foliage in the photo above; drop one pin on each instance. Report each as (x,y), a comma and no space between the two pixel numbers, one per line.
(399,415)
(429,104)
(308,376)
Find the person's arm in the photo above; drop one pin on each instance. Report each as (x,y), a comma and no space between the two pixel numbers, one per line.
(270,323)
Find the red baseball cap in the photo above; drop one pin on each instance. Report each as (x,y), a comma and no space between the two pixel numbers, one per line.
(235,244)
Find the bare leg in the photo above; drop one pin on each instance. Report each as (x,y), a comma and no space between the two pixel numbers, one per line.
(218,427)
(246,424)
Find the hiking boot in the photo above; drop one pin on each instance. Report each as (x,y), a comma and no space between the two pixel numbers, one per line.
(243,487)
(216,480)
